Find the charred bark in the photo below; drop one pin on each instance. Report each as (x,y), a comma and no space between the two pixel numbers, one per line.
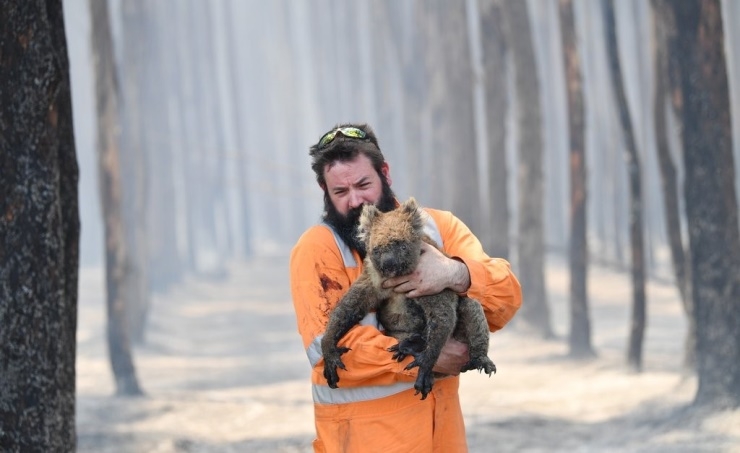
(711,200)
(39,231)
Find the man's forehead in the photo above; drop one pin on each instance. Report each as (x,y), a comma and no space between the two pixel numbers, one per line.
(352,171)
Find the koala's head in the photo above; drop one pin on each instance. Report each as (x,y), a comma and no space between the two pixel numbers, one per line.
(392,239)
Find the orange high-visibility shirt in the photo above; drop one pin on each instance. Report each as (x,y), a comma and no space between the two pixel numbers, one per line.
(374,408)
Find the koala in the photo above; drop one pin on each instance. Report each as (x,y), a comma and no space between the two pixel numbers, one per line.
(421,325)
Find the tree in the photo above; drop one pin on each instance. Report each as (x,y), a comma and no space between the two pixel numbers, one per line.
(136,125)
(711,200)
(450,101)
(39,220)
(495,236)
(580,324)
(118,275)
(637,328)
(666,87)
(531,237)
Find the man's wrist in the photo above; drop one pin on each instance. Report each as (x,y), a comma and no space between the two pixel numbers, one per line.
(460,277)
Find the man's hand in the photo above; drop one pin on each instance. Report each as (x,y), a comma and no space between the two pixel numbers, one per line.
(434,273)
(452,358)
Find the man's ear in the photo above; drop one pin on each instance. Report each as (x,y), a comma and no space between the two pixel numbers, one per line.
(322,185)
(385,169)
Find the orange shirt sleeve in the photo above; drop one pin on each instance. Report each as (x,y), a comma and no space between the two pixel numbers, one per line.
(492,283)
(318,280)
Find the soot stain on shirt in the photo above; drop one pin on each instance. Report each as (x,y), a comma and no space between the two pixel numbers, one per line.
(328,284)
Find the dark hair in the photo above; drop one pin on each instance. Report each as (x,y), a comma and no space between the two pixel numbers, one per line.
(343,149)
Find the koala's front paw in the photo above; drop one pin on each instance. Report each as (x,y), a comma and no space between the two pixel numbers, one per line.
(413,345)
(424,382)
(332,361)
(397,355)
(481,364)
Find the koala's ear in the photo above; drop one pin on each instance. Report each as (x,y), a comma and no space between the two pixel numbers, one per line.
(369,213)
(410,208)
(409,205)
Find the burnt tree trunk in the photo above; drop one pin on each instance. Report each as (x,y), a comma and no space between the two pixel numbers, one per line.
(531,237)
(637,327)
(711,200)
(580,323)
(664,26)
(495,235)
(136,122)
(39,231)
(117,261)
(450,101)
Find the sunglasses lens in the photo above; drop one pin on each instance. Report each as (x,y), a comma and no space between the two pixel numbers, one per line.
(351,132)
(327,138)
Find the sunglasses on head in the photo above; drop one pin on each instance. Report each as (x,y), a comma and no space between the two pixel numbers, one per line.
(351,132)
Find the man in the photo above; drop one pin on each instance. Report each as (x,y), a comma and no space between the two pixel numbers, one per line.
(375,408)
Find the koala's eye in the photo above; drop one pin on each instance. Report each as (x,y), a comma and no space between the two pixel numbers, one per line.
(402,246)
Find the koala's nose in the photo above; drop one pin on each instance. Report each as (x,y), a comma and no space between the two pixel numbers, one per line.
(389,264)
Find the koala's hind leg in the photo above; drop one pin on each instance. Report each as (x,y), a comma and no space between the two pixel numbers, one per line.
(404,320)
(441,317)
(472,329)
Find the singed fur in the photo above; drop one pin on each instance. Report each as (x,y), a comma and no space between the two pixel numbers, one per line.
(421,325)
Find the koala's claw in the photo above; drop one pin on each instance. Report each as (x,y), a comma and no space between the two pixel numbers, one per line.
(397,355)
(330,372)
(424,382)
(481,364)
(331,363)
(413,345)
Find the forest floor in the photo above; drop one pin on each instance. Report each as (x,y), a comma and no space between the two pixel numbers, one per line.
(224,370)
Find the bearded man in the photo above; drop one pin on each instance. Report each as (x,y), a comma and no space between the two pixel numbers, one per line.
(375,407)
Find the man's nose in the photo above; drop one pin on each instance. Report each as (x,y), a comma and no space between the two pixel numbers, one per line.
(355,199)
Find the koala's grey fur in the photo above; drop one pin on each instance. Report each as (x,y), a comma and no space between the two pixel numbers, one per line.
(422,325)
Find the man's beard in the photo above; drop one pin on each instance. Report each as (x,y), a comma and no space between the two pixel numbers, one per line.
(346,226)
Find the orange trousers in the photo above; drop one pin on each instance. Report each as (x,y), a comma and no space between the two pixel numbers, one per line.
(399,423)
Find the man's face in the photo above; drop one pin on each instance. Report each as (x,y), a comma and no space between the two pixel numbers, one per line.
(349,186)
